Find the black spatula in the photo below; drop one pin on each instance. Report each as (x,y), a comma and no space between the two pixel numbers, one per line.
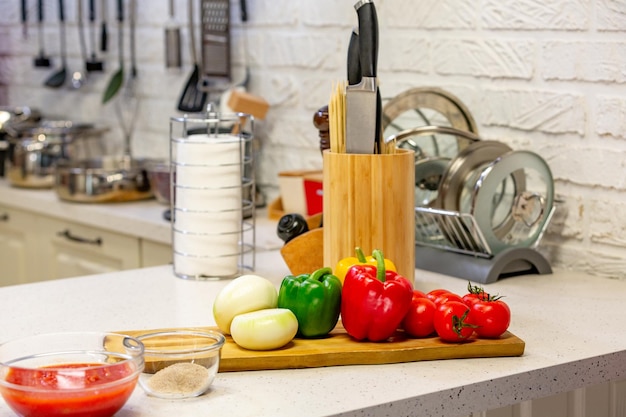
(57,79)
(192,99)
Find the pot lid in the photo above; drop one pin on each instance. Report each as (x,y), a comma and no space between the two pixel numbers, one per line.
(53,128)
(525,210)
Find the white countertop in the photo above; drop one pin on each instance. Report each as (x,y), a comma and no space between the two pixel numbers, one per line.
(569,321)
(142,219)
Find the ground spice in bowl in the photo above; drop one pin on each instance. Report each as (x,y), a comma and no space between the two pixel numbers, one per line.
(180,363)
(178,379)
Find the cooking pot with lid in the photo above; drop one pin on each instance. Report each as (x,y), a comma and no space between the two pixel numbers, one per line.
(103,180)
(13,116)
(35,148)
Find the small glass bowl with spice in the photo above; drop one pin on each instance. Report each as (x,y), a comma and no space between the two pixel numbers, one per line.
(180,363)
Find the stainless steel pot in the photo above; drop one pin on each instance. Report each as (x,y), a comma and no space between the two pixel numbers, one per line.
(103,180)
(13,116)
(35,149)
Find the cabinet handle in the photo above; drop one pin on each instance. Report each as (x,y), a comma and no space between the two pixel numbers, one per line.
(4,217)
(69,236)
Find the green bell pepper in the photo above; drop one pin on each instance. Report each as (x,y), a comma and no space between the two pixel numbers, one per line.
(315,299)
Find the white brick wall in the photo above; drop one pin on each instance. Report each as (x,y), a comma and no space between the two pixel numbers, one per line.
(549,76)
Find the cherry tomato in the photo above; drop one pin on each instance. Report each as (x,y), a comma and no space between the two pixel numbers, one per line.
(435,293)
(469,299)
(418,293)
(491,316)
(419,321)
(445,297)
(474,293)
(453,322)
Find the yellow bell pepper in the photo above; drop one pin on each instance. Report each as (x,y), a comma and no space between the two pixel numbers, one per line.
(341,269)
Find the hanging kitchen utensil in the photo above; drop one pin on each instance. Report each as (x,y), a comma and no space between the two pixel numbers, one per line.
(93,64)
(41,60)
(128,106)
(244,10)
(57,79)
(192,99)
(104,33)
(361,99)
(115,83)
(215,41)
(78,77)
(24,13)
(132,18)
(172,41)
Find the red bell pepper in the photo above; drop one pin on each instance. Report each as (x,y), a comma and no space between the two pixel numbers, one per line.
(374,300)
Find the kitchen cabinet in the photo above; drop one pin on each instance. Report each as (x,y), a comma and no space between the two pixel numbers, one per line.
(155,253)
(69,249)
(18,246)
(43,237)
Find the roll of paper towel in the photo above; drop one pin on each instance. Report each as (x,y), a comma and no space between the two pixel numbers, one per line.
(208,204)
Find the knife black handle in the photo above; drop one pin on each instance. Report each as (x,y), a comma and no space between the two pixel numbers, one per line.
(40,10)
(61,11)
(354,63)
(368,37)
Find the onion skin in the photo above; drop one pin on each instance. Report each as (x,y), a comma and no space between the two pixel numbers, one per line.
(242,295)
(264,329)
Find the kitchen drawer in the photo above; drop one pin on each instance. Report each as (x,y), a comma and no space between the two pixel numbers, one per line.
(155,253)
(18,246)
(70,249)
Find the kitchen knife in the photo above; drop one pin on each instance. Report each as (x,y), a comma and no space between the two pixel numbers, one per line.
(354,64)
(361,114)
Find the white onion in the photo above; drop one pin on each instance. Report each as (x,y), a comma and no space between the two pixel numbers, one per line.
(264,329)
(242,295)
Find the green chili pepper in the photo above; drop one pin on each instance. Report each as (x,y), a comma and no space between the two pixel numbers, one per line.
(315,299)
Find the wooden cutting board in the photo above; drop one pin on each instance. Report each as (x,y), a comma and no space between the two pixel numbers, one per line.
(340,349)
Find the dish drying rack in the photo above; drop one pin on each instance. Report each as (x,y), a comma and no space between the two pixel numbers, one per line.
(451,243)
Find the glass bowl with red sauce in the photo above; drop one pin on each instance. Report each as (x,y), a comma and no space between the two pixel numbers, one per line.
(90,374)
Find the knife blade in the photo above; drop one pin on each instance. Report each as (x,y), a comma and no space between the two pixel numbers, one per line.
(361,101)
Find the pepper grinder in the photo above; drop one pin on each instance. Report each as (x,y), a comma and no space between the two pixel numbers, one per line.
(320,121)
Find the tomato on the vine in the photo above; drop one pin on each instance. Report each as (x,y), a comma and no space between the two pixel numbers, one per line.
(436,293)
(474,293)
(445,297)
(453,322)
(418,293)
(470,299)
(419,321)
(492,317)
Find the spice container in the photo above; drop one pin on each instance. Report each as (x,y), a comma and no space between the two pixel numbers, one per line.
(180,363)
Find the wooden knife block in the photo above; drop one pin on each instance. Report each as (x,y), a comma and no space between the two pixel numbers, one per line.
(305,253)
(369,202)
